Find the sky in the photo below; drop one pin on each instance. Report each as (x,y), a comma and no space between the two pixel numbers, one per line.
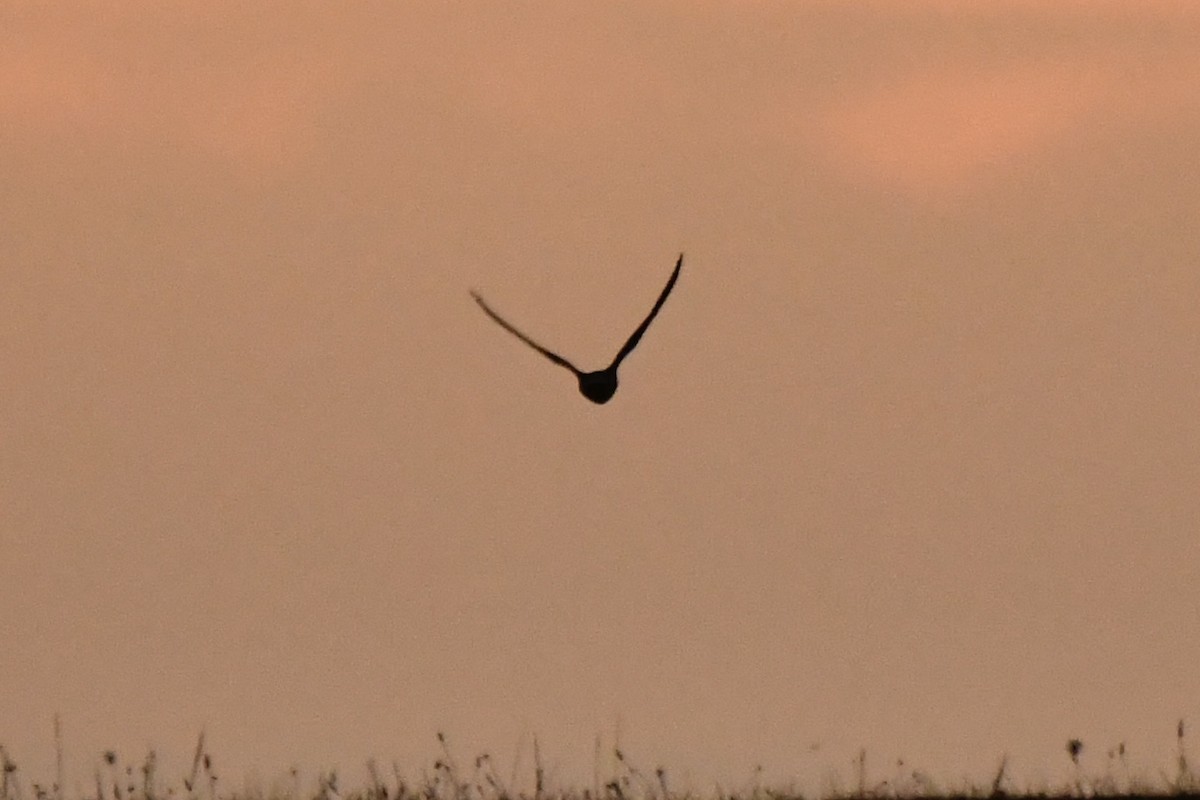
(908,462)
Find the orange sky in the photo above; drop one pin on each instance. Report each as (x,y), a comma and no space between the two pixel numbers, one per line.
(908,461)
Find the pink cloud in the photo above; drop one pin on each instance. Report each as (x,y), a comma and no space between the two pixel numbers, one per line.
(938,128)
(240,105)
(932,128)
(51,83)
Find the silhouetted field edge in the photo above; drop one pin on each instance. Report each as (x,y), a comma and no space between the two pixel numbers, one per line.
(450,780)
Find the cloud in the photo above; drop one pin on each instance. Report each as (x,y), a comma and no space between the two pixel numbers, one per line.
(51,83)
(933,128)
(192,86)
(948,122)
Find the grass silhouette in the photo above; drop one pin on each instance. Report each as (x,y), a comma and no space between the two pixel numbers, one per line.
(479,779)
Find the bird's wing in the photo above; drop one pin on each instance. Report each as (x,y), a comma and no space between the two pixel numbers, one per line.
(637,335)
(555,357)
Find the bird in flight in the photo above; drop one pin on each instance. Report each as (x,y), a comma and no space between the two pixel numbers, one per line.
(601,385)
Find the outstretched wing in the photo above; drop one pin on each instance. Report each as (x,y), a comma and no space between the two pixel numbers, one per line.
(637,335)
(555,357)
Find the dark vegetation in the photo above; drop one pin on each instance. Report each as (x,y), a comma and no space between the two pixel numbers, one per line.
(479,779)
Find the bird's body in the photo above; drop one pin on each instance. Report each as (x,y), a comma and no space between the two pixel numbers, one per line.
(601,385)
